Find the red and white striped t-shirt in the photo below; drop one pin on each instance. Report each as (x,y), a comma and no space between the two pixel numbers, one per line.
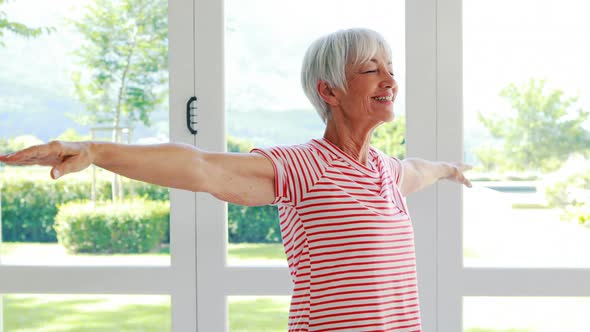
(348,238)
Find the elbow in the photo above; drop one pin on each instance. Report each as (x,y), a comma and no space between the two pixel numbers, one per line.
(198,180)
(188,171)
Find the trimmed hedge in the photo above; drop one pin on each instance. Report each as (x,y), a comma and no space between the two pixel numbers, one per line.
(29,202)
(253,224)
(133,226)
(29,207)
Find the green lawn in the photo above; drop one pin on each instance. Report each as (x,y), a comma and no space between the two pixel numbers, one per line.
(86,313)
(256,254)
(102,313)
(258,314)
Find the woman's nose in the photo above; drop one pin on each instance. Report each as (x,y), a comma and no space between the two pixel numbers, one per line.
(388,81)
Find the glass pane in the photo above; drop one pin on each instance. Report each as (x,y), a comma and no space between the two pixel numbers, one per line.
(96,313)
(525,314)
(265,104)
(81,70)
(258,313)
(526,102)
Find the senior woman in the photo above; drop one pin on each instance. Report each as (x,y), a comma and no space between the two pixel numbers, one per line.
(345,226)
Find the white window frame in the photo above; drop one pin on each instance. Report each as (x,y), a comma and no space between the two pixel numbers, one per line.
(215,280)
(434,131)
(176,280)
(454,281)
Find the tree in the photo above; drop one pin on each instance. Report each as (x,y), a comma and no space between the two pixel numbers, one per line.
(238,145)
(17,143)
(18,28)
(544,131)
(125,58)
(390,138)
(72,135)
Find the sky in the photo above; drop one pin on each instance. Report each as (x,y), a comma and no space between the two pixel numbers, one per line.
(504,42)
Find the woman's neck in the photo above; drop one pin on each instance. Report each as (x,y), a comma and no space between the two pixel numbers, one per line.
(351,140)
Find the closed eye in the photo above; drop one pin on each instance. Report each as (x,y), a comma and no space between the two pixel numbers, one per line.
(374,71)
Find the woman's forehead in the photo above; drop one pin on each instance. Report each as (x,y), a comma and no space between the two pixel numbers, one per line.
(377,60)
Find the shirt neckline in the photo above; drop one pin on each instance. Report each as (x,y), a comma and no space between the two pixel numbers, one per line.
(370,170)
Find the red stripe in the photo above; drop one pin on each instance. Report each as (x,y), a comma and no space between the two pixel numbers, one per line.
(329,274)
(316,248)
(355,236)
(364,263)
(315,283)
(371,318)
(349,251)
(364,311)
(373,283)
(360,305)
(375,297)
(315,297)
(322,261)
(358,229)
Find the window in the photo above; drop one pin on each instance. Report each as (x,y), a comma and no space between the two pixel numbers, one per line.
(64,83)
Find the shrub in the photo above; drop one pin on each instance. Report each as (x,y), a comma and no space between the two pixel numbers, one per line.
(30,199)
(147,191)
(581,214)
(29,204)
(570,186)
(253,224)
(132,226)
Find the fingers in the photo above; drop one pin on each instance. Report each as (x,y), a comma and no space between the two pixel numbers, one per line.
(458,175)
(23,157)
(70,165)
(45,154)
(65,157)
(466,181)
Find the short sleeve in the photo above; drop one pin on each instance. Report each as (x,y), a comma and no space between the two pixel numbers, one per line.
(397,170)
(284,174)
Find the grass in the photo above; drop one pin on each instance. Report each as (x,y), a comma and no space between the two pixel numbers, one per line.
(102,313)
(258,314)
(98,313)
(86,313)
(256,251)
(530,206)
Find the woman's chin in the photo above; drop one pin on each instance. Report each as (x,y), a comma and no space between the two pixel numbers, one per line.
(390,116)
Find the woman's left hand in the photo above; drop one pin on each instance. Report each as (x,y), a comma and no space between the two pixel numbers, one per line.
(456,173)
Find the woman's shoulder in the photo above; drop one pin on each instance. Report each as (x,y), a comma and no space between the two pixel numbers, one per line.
(310,145)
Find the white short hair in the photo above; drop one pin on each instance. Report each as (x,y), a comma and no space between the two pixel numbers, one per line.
(327,57)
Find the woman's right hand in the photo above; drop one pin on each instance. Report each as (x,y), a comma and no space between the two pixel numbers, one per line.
(63,157)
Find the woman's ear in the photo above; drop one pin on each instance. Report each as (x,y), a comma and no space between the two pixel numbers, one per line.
(327,93)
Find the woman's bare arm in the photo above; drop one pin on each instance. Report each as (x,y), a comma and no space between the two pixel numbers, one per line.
(240,178)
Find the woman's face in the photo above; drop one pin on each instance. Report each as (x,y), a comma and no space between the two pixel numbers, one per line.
(371,91)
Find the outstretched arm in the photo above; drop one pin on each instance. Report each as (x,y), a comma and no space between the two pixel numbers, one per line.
(419,174)
(240,178)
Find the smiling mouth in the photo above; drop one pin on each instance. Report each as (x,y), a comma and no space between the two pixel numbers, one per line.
(387,98)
